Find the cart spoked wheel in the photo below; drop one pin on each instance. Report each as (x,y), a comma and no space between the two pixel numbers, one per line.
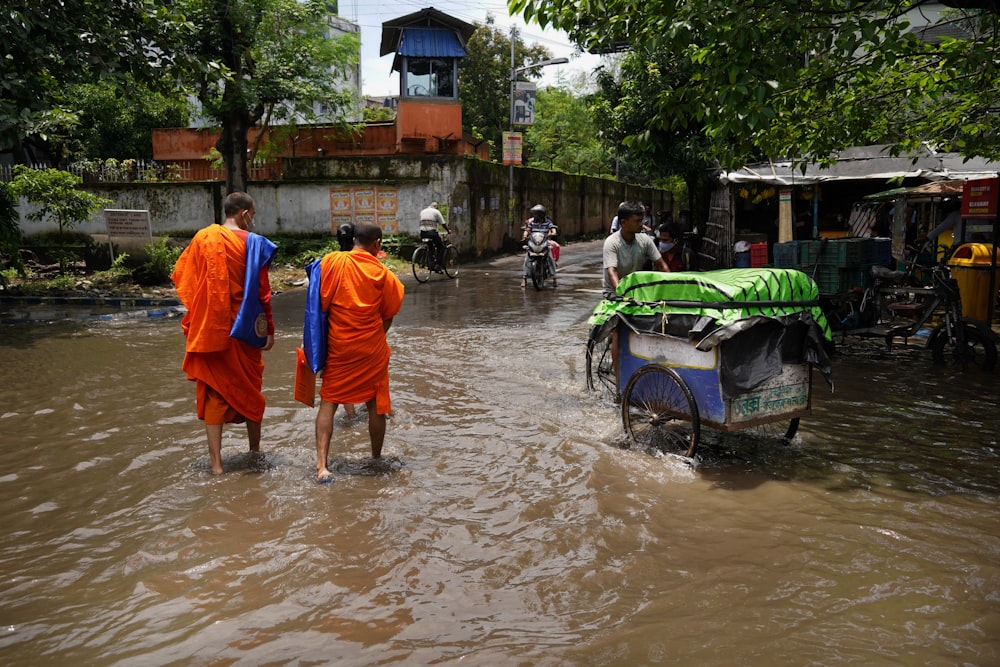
(659,411)
(600,371)
(778,430)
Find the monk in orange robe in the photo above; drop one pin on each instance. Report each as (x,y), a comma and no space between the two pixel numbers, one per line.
(360,297)
(210,276)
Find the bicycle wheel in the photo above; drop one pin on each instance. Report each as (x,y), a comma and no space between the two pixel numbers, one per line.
(978,349)
(421,267)
(658,411)
(537,273)
(600,371)
(451,261)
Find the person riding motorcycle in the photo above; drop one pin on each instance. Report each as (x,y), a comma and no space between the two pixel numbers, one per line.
(538,222)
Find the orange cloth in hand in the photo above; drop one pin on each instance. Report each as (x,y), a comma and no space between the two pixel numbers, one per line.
(209,280)
(359,294)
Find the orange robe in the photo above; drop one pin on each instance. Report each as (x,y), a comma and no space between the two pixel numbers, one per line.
(209,280)
(358,293)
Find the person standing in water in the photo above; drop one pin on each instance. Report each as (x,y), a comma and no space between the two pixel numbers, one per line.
(222,280)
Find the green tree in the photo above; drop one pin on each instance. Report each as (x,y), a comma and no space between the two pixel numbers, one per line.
(647,152)
(49,46)
(56,196)
(266,61)
(564,136)
(484,76)
(10,230)
(805,79)
(118,122)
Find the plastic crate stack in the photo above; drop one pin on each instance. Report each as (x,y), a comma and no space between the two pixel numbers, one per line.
(758,255)
(841,265)
(786,255)
(883,252)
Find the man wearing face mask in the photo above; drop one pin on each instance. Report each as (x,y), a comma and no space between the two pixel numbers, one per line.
(670,249)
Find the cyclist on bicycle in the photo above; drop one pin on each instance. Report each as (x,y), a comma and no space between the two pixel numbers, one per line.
(430,218)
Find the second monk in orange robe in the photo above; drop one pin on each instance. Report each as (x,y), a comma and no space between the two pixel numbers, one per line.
(360,297)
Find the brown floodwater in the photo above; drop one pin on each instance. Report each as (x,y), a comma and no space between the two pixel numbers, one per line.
(506,525)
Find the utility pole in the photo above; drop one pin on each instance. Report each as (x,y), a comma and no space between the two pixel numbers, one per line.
(514,71)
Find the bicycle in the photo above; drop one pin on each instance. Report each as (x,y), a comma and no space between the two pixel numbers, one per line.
(600,370)
(895,294)
(425,261)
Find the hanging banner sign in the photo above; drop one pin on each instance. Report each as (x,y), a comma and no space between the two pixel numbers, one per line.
(512,148)
(979,198)
(524,103)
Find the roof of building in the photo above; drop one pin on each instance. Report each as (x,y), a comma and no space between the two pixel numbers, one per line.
(866,162)
(392,30)
(424,42)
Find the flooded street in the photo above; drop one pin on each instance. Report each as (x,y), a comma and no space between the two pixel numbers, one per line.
(506,526)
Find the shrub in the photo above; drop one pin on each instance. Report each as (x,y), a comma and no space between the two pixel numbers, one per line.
(159,265)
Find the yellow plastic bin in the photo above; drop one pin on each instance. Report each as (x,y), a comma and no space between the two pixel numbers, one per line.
(970,265)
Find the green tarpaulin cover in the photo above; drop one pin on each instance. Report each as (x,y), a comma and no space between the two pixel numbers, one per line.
(713,300)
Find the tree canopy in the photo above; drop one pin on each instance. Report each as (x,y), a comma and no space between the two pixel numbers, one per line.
(564,136)
(804,79)
(265,60)
(249,62)
(485,81)
(47,46)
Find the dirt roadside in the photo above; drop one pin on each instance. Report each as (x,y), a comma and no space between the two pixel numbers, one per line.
(45,281)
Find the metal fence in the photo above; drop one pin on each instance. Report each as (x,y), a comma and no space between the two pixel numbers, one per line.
(130,171)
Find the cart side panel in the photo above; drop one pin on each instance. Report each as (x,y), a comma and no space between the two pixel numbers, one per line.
(782,397)
(698,368)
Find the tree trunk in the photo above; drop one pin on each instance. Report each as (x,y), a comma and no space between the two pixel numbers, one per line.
(232,143)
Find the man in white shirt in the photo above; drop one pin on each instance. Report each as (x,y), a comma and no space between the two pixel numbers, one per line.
(430,218)
(625,252)
(628,249)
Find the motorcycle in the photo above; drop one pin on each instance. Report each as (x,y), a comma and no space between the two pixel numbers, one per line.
(539,251)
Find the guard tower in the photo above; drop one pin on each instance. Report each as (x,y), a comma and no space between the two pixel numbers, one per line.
(428,45)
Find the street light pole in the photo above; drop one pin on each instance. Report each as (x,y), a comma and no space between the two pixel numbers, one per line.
(514,71)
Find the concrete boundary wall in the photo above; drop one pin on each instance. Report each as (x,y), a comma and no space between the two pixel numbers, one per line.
(472,193)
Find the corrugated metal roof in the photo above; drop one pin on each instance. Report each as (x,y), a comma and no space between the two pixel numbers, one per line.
(425,42)
(429,17)
(866,162)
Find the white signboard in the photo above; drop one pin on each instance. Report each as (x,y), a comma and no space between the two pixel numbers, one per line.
(125,223)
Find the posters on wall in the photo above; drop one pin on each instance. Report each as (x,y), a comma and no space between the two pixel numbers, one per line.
(359,203)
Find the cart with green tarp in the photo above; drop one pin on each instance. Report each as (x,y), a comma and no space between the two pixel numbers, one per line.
(731,349)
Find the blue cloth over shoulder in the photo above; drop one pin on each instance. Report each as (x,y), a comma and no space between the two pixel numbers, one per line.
(314,331)
(251,323)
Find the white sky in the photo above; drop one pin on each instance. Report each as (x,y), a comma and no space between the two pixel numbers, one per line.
(377,77)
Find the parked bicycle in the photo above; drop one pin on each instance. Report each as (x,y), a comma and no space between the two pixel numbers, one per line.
(896,306)
(425,260)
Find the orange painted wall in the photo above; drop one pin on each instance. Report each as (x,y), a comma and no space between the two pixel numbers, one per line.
(428,118)
(416,130)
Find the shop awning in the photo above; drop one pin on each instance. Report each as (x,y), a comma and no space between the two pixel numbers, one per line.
(866,163)
(942,189)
